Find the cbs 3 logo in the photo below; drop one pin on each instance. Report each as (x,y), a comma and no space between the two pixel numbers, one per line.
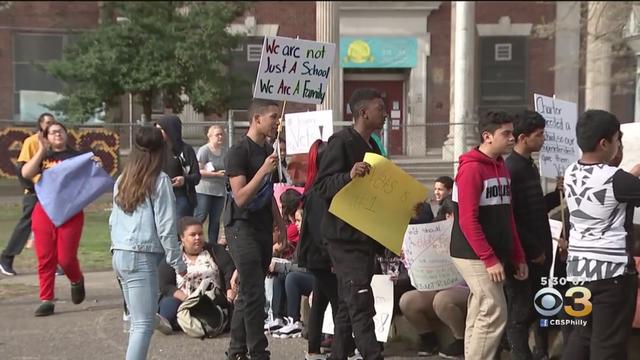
(548,301)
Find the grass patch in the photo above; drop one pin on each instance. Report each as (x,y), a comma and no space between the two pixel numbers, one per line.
(94,252)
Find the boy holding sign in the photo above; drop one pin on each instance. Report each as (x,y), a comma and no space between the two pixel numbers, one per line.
(352,252)
(249,215)
(484,235)
(530,208)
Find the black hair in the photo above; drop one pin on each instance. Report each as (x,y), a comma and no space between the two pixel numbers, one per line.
(445,208)
(492,121)
(593,126)
(527,122)
(447,181)
(290,201)
(187,221)
(360,98)
(259,106)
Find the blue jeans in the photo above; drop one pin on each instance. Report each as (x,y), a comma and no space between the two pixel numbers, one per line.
(211,206)
(297,283)
(169,310)
(183,207)
(138,274)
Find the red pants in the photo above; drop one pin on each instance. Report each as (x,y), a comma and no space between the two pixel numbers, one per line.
(56,245)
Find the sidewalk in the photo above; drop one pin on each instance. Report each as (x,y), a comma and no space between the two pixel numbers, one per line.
(94,329)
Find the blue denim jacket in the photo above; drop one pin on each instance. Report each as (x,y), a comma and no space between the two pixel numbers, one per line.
(151,227)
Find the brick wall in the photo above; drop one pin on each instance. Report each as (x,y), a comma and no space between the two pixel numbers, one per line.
(42,17)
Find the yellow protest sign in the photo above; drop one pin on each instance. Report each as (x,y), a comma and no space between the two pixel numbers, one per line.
(381,203)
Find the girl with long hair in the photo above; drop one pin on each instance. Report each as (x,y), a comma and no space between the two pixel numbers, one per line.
(143,228)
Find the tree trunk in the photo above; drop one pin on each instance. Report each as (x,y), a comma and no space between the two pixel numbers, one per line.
(147,100)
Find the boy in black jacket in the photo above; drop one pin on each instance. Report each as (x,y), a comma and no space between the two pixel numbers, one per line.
(352,252)
(530,208)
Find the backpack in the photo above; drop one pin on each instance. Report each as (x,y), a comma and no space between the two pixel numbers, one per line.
(204,314)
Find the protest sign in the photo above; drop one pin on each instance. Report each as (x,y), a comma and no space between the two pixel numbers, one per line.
(382,287)
(426,254)
(381,203)
(302,129)
(70,186)
(294,70)
(560,146)
(279,188)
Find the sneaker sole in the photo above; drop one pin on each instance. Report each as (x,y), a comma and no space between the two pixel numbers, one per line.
(449,356)
(288,336)
(6,272)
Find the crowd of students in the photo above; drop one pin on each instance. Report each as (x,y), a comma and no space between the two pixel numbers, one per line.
(501,240)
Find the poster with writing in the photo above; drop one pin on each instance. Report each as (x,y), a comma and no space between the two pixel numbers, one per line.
(294,70)
(279,188)
(426,254)
(381,203)
(302,129)
(560,146)
(382,287)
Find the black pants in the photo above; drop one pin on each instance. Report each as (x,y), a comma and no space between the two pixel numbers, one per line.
(325,291)
(279,298)
(354,267)
(21,232)
(607,333)
(521,313)
(250,250)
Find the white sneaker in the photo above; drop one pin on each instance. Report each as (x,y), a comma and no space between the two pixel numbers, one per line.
(163,325)
(355,356)
(308,356)
(273,325)
(291,330)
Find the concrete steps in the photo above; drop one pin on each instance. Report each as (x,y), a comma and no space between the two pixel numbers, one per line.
(425,169)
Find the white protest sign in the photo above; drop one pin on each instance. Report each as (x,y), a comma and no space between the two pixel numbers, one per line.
(302,129)
(294,70)
(560,146)
(383,298)
(426,254)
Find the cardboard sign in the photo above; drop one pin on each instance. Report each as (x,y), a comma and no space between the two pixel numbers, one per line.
(560,146)
(426,253)
(302,129)
(294,70)
(382,287)
(381,203)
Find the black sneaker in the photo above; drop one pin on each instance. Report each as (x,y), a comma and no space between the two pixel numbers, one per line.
(455,350)
(59,271)
(539,354)
(77,292)
(236,356)
(6,266)
(45,309)
(428,344)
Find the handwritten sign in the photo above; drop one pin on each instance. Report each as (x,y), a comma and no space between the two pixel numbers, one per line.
(302,129)
(381,203)
(426,252)
(382,287)
(294,70)
(560,146)
(279,188)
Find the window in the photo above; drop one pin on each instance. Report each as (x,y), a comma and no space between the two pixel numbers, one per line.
(503,52)
(238,48)
(32,86)
(254,52)
(503,73)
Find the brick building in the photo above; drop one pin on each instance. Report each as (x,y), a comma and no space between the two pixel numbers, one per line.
(410,57)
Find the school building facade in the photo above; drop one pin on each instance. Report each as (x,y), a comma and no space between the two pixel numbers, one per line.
(404,49)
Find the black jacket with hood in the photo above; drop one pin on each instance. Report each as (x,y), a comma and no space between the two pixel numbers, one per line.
(183,153)
(344,149)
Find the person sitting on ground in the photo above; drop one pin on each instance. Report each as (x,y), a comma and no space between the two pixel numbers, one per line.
(290,202)
(205,261)
(298,282)
(423,308)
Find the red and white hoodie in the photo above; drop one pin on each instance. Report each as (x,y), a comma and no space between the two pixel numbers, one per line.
(484,227)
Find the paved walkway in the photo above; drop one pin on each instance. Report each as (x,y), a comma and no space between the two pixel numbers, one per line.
(94,329)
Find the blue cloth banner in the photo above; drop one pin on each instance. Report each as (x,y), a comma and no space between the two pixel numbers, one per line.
(378,52)
(70,186)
